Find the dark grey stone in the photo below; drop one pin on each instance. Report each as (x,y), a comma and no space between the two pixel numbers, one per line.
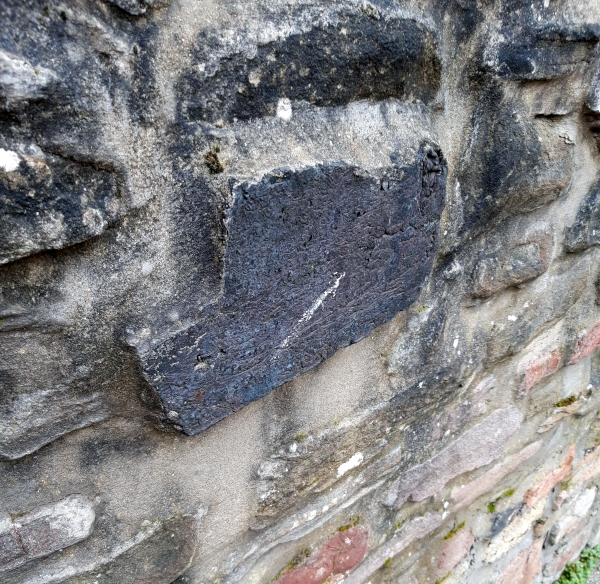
(501,520)
(314,260)
(521,264)
(50,202)
(585,232)
(359,57)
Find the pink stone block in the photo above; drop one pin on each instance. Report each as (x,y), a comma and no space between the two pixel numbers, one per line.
(538,368)
(455,550)
(533,495)
(524,567)
(341,553)
(586,345)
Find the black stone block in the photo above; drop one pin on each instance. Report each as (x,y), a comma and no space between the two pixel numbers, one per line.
(313,261)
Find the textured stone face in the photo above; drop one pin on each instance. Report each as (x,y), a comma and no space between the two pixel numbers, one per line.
(298,291)
(360,57)
(44,530)
(476,447)
(313,261)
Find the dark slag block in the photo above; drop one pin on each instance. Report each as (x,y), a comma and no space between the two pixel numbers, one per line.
(314,260)
(358,58)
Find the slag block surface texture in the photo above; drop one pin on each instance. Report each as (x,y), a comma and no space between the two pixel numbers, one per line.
(314,260)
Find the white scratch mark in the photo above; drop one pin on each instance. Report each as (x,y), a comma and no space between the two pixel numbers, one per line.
(317,304)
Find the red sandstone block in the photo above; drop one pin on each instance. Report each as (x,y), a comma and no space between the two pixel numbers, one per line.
(315,572)
(339,554)
(587,344)
(533,495)
(455,550)
(524,567)
(538,368)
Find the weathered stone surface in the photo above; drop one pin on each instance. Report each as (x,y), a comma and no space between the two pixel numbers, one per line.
(455,550)
(44,530)
(360,57)
(559,414)
(514,532)
(587,343)
(449,422)
(524,568)
(521,264)
(464,495)
(546,484)
(146,148)
(585,232)
(160,556)
(54,397)
(135,7)
(314,260)
(20,81)
(477,447)
(568,553)
(539,368)
(587,469)
(339,554)
(412,531)
(50,203)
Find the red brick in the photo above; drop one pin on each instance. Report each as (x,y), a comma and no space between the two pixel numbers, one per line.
(538,368)
(587,344)
(455,550)
(524,567)
(533,495)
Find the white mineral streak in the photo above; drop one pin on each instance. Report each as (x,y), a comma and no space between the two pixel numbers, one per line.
(351,463)
(9,160)
(284,109)
(311,311)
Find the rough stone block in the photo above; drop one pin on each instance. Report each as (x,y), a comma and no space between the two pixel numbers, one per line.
(559,414)
(455,550)
(357,58)
(20,81)
(464,495)
(50,203)
(449,422)
(585,231)
(524,568)
(158,554)
(539,368)
(515,531)
(571,521)
(533,495)
(339,554)
(477,447)
(519,265)
(586,344)
(410,532)
(587,469)
(45,530)
(568,553)
(313,261)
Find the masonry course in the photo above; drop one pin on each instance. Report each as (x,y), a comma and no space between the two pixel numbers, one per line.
(298,292)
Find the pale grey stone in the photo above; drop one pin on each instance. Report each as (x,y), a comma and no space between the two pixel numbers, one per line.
(46,529)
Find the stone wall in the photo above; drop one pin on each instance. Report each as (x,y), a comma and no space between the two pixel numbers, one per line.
(298,291)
